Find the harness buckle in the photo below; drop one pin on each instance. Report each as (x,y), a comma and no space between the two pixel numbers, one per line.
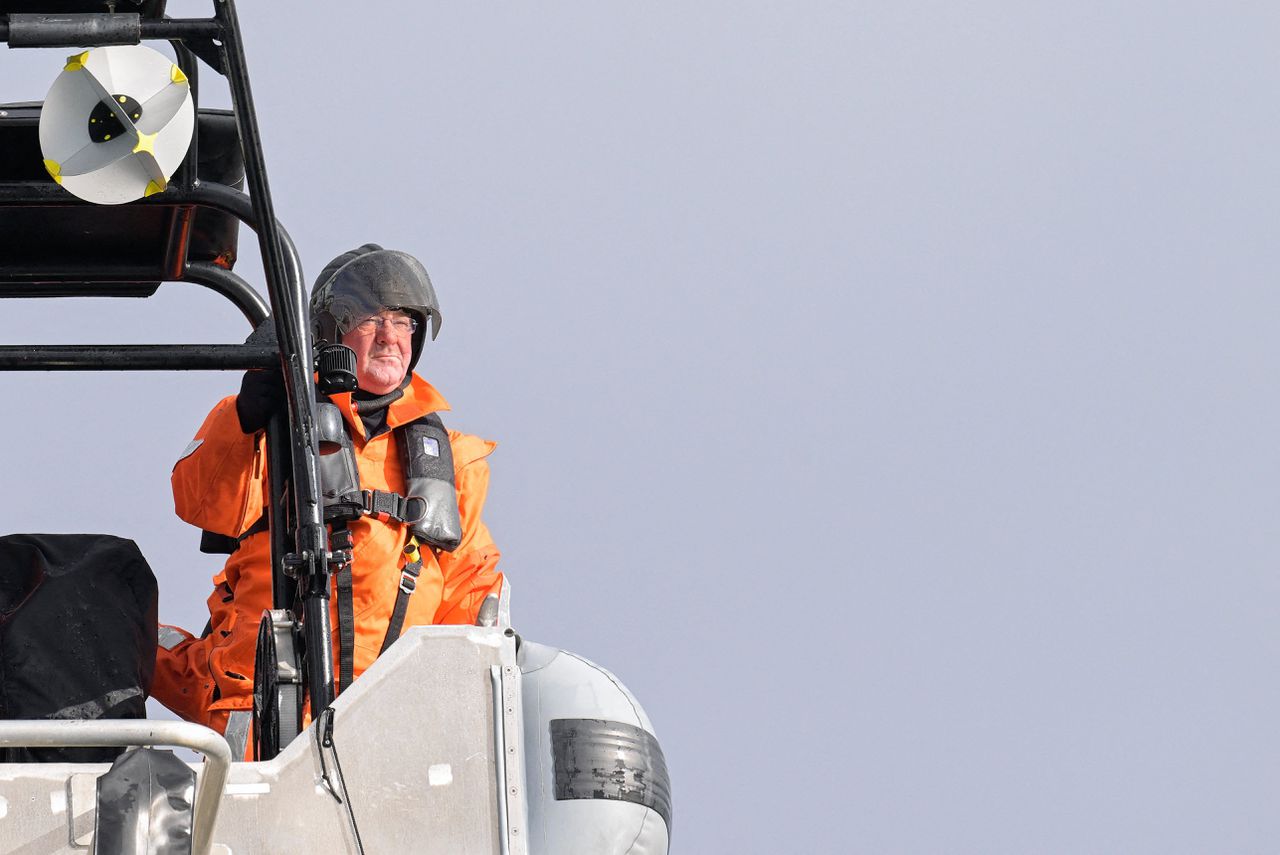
(383,505)
(409,572)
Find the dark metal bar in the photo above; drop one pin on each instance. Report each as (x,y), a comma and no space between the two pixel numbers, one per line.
(136,357)
(182,28)
(36,193)
(81,273)
(42,287)
(293,331)
(80,29)
(231,286)
(177,28)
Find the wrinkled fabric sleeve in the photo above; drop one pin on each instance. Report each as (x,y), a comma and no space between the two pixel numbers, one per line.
(470,571)
(182,680)
(217,483)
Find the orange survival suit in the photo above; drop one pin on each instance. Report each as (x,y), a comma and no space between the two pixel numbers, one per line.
(219,485)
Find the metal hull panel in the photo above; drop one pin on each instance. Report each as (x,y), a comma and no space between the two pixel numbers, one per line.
(415,739)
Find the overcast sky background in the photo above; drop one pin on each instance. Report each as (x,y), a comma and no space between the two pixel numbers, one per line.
(885,390)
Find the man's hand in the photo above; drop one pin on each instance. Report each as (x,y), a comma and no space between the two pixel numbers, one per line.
(261,396)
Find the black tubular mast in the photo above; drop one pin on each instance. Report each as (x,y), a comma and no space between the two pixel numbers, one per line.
(295,507)
(293,332)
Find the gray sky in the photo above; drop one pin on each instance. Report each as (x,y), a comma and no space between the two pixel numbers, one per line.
(884,390)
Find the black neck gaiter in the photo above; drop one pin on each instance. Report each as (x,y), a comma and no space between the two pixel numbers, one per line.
(372,408)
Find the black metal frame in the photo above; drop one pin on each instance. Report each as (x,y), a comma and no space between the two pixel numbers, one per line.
(299,539)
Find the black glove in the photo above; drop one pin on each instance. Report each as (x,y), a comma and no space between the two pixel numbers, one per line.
(261,397)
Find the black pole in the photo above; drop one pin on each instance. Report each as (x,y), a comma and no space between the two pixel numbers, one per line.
(293,330)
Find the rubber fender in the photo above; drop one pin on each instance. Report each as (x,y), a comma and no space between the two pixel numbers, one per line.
(595,776)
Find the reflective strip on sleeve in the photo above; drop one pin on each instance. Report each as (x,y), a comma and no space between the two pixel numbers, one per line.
(190,449)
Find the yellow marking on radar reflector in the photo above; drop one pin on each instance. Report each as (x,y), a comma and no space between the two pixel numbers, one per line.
(75,63)
(54,169)
(176,75)
(147,143)
(152,189)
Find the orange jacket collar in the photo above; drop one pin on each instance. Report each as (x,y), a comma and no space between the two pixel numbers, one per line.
(420,398)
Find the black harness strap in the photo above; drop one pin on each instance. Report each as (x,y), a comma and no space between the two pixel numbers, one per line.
(259,525)
(340,546)
(212,543)
(346,629)
(408,584)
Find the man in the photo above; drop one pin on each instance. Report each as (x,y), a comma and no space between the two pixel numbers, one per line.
(377,302)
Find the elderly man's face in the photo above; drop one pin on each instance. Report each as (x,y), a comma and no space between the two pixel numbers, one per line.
(383,344)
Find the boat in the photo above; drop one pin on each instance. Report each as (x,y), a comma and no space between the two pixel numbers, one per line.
(459,740)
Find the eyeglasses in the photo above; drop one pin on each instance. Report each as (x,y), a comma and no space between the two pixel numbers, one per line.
(399,324)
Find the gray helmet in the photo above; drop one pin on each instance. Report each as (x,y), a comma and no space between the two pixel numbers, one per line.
(365,281)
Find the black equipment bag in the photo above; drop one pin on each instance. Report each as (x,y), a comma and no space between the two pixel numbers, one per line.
(77,634)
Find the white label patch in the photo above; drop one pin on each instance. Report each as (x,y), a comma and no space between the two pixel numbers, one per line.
(191,447)
(440,775)
(431,446)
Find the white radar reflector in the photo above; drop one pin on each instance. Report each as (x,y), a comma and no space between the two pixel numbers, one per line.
(116,124)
